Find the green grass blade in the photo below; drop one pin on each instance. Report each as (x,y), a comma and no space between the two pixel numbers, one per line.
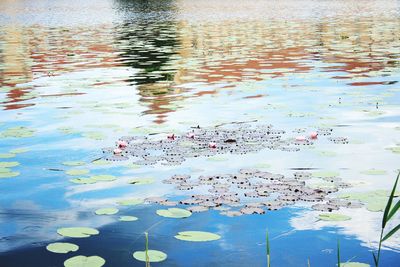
(394,210)
(375,259)
(338,253)
(389,203)
(392,232)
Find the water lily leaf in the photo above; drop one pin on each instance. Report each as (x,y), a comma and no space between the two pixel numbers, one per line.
(375,200)
(8,164)
(61,247)
(83,261)
(327,153)
(128,218)
(106,211)
(153,255)
(141,181)
(374,172)
(101,162)
(354,264)
(333,217)
(395,149)
(325,174)
(73,163)
(217,158)
(4,170)
(77,232)
(83,181)
(94,135)
(174,213)
(8,174)
(197,236)
(6,155)
(75,172)
(130,202)
(19,150)
(103,177)
(17,132)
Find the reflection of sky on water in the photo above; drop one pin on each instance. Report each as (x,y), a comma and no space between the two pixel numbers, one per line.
(122,70)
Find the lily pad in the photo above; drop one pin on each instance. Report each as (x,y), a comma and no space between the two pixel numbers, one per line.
(197,236)
(374,172)
(8,164)
(128,218)
(354,264)
(103,177)
(395,149)
(8,174)
(333,217)
(7,155)
(61,247)
(77,232)
(83,181)
(75,172)
(73,163)
(83,261)
(106,211)
(375,200)
(141,181)
(130,202)
(174,213)
(19,150)
(325,174)
(94,135)
(153,255)
(101,162)
(17,132)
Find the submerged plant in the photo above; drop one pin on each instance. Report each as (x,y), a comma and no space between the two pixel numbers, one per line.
(387,215)
(147,249)
(268,252)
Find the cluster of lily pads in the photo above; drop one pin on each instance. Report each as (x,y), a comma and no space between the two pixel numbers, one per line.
(6,170)
(175,149)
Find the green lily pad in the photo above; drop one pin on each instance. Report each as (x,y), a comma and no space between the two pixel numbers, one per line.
(83,261)
(325,174)
(19,150)
(8,174)
(83,181)
(327,153)
(174,213)
(153,255)
(8,164)
(374,172)
(354,264)
(130,202)
(4,170)
(395,149)
(77,232)
(103,177)
(141,181)
(197,236)
(73,163)
(75,172)
(375,200)
(333,217)
(128,218)
(6,155)
(262,165)
(67,130)
(94,135)
(217,158)
(101,162)
(61,247)
(18,132)
(106,211)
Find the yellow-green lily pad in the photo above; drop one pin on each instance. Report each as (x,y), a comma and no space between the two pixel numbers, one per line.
(197,236)
(354,264)
(141,181)
(374,172)
(130,202)
(77,232)
(75,172)
(8,164)
(152,256)
(83,261)
(174,213)
(8,174)
(7,155)
(325,174)
(395,149)
(61,247)
(106,211)
(333,217)
(83,181)
(103,177)
(19,150)
(17,132)
(73,163)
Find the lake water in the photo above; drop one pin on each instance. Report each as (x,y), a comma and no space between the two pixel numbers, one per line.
(76,76)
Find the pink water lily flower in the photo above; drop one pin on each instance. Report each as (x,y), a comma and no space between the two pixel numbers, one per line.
(122,144)
(117,151)
(313,135)
(212,145)
(300,138)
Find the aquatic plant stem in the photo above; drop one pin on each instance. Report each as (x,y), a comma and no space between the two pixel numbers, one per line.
(147,249)
(338,253)
(268,251)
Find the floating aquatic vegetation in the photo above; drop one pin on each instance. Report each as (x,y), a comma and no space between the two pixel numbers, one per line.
(61,247)
(103,177)
(209,142)
(141,181)
(375,200)
(354,264)
(73,163)
(76,172)
(83,181)
(374,172)
(84,261)
(7,173)
(8,164)
(333,217)
(174,213)
(106,211)
(197,236)
(77,232)
(19,150)
(130,202)
(17,132)
(7,155)
(152,256)
(325,174)
(395,149)
(128,218)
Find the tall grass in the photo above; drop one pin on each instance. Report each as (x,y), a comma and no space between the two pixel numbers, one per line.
(387,215)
